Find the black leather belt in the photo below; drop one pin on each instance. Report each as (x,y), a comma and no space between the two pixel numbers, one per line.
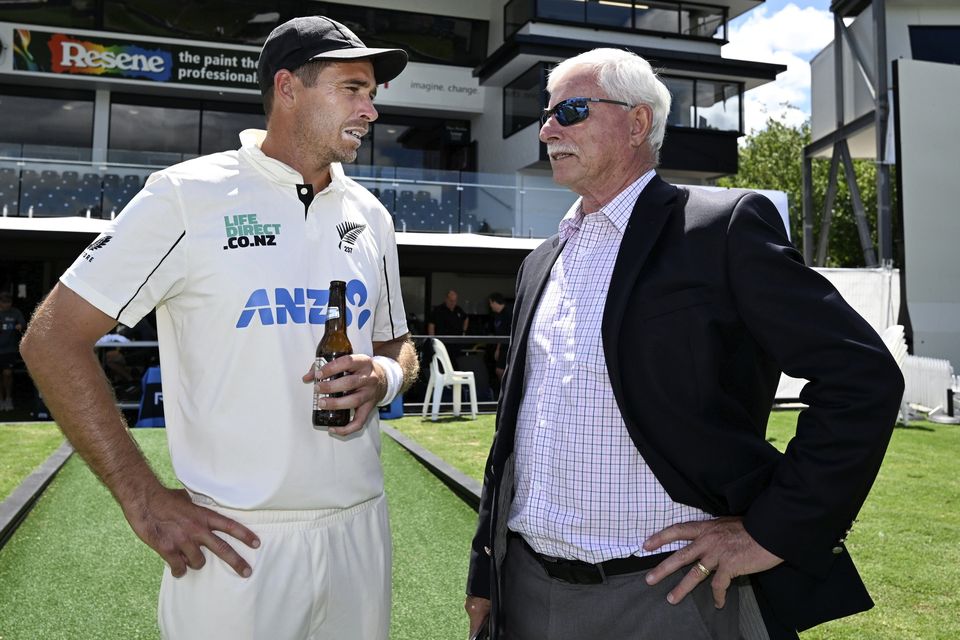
(580,572)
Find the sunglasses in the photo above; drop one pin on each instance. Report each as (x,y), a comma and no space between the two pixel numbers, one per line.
(573,110)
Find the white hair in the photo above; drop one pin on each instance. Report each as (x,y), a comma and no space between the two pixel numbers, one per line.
(625,76)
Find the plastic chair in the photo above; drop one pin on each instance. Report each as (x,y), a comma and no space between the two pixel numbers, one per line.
(442,375)
(895,341)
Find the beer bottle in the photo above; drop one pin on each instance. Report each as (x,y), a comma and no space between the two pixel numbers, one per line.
(333,344)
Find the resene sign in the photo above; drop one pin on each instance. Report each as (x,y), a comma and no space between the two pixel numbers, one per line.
(63,53)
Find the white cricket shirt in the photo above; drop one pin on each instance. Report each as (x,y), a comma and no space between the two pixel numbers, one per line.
(238,268)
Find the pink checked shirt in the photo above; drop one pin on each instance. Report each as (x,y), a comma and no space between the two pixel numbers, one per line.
(582,489)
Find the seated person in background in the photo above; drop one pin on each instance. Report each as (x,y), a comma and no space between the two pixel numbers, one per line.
(448,319)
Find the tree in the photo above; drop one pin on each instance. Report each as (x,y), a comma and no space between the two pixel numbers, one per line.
(773,159)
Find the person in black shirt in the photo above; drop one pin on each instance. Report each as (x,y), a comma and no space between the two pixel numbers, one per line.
(448,319)
(500,316)
(11,326)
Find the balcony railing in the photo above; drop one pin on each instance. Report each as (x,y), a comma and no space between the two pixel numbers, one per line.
(684,19)
(420,200)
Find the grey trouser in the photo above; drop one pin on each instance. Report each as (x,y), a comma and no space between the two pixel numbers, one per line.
(538,607)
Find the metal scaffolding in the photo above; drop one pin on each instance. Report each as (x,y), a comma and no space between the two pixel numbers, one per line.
(875,76)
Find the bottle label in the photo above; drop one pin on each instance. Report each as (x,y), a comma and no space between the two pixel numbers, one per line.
(333,312)
(318,363)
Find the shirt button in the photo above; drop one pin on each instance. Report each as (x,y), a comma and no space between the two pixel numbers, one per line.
(837,550)
(488,551)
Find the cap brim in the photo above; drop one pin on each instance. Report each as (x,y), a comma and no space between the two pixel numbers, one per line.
(387,63)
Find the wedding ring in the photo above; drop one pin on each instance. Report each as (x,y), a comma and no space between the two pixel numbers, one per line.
(702,570)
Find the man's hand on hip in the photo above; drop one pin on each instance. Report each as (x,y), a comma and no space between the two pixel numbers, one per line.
(170,523)
(720,547)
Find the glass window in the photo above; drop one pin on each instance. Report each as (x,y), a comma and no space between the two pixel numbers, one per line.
(44,126)
(152,134)
(718,105)
(409,141)
(220,130)
(566,10)
(702,21)
(681,107)
(516,13)
(935,43)
(609,13)
(426,37)
(523,100)
(657,16)
(663,16)
(240,21)
(78,14)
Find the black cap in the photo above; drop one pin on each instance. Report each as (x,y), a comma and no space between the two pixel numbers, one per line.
(301,40)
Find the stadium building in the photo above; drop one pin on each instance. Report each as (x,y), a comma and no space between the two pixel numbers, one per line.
(97,94)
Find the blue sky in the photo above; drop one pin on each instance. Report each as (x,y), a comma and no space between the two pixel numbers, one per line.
(788,32)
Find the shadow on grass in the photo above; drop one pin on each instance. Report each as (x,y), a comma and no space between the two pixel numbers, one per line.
(915,427)
(446,420)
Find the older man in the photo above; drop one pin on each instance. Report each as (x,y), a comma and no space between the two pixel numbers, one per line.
(630,492)
(282,531)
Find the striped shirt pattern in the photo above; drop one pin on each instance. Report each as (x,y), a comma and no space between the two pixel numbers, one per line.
(583,491)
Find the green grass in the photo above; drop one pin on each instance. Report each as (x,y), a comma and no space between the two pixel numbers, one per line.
(75,570)
(23,448)
(905,541)
(462,442)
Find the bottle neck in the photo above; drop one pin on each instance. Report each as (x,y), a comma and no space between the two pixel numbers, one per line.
(336,311)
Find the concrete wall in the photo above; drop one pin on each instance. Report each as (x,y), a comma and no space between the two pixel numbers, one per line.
(927,137)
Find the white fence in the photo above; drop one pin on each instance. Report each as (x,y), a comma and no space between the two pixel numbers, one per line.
(873,293)
(927,381)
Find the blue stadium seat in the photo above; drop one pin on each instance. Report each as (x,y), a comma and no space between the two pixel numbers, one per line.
(41,194)
(89,194)
(9,192)
(117,192)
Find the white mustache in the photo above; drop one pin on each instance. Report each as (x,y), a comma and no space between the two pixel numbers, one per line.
(562,148)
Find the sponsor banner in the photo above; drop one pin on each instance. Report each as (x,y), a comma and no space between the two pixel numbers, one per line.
(434,86)
(107,57)
(99,56)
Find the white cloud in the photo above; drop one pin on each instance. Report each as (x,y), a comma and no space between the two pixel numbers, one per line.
(789,37)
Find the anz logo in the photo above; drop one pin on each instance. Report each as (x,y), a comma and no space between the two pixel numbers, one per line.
(301,306)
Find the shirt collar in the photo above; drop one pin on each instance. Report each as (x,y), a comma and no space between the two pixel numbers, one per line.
(277,171)
(618,210)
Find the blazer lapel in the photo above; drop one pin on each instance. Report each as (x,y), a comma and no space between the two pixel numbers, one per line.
(654,206)
(533,280)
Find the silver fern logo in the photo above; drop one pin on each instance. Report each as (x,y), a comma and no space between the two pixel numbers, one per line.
(99,242)
(349,233)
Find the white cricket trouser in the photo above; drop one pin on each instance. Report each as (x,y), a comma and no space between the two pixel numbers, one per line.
(318,575)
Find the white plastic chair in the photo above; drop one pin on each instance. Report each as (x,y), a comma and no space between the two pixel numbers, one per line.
(896,342)
(442,375)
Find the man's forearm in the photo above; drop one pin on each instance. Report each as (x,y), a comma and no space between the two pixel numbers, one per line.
(401,350)
(78,395)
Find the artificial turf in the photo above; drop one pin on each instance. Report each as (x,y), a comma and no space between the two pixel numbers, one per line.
(23,447)
(74,569)
(904,542)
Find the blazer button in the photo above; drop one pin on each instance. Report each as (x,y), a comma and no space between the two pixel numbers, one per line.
(837,550)
(488,551)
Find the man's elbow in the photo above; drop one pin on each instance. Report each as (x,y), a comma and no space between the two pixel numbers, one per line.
(33,346)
